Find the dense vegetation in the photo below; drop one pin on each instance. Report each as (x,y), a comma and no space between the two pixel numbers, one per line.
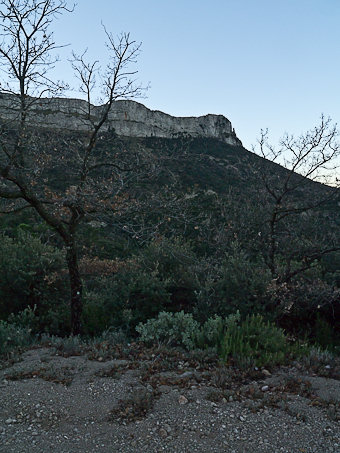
(195,239)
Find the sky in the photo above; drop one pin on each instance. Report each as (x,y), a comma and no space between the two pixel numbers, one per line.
(261,63)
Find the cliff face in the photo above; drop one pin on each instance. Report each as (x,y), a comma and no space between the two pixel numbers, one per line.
(127,118)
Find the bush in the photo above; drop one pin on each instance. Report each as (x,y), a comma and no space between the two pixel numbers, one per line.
(212,332)
(308,307)
(254,341)
(171,329)
(25,318)
(13,337)
(180,329)
(236,284)
(31,275)
(175,262)
(129,297)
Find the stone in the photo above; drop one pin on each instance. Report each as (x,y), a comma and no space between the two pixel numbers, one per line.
(182,400)
(167,428)
(163,433)
(265,388)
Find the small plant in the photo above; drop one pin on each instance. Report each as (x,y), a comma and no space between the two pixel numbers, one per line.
(67,346)
(113,337)
(324,334)
(13,337)
(254,341)
(315,357)
(25,318)
(133,408)
(221,378)
(51,374)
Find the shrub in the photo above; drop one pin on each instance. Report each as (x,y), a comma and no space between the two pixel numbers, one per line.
(315,356)
(172,329)
(67,346)
(236,284)
(13,337)
(254,341)
(181,329)
(31,274)
(212,332)
(25,318)
(123,300)
(308,307)
(175,262)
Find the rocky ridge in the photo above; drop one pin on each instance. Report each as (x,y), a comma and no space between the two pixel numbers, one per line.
(126,118)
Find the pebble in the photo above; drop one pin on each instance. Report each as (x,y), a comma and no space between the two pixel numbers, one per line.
(186,374)
(167,428)
(163,433)
(265,388)
(182,400)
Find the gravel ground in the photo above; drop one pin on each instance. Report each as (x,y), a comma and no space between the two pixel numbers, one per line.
(51,403)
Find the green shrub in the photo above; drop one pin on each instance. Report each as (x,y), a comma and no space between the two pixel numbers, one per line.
(31,275)
(324,334)
(172,329)
(308,307)
(212,332)
(13,337)
(123,300)
(174,262)
(236,284)
(25,318)
(254,341)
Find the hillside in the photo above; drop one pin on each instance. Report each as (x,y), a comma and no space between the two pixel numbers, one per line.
(184,220)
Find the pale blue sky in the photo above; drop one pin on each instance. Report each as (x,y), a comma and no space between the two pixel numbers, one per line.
(262,63)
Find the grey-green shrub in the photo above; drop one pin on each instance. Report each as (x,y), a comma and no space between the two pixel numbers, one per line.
(256,341)
(171,329)
(181,329)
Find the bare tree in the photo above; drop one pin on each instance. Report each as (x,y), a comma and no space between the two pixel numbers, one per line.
(299,195)
(94,175)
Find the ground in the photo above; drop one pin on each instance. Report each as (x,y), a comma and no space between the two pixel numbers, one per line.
(137,400)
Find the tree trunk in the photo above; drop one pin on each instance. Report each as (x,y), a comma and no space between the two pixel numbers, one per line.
(76,288)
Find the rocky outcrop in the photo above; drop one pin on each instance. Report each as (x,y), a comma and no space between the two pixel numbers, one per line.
(127,118)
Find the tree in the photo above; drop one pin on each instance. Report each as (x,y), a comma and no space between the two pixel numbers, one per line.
(298,200)
(94,175)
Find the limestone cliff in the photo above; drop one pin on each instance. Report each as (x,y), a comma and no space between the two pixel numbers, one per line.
(127,118)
